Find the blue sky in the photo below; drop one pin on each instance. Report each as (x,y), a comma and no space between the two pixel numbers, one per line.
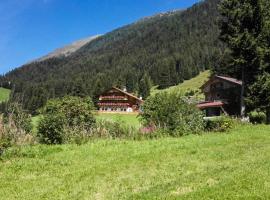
(30,29)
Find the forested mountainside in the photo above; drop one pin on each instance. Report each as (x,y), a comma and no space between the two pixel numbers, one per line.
(164,49)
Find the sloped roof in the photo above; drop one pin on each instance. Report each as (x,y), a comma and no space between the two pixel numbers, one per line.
(128,94)
(228,79)
(213,104)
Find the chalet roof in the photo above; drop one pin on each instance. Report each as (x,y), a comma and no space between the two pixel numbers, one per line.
(128,94)
(214,104)
(228,79)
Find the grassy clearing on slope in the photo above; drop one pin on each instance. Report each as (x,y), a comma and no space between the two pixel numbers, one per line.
(4,94)
(211,166)
(193,84)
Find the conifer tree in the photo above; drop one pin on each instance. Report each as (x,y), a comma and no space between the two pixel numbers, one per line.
(241,27)
(145,86)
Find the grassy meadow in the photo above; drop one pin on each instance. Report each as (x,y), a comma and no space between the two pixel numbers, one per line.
(128,119)
(211,166)
(4,94)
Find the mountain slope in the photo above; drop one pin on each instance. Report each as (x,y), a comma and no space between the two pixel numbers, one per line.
(67,50)
(191,87)
(168,48)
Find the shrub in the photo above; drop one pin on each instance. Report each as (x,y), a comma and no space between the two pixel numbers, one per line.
(20,118)
(11,135)
(64,114)
(76,111)
(51,129)
(219,124)
(257,117)
(172,112)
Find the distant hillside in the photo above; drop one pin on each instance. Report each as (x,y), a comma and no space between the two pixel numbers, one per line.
(67,50)
(4,94)
(168,48)
(192,86)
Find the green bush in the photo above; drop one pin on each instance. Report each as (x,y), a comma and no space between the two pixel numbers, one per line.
(219,124)
(172,112)
(51,129)
(257,117)
(62,116)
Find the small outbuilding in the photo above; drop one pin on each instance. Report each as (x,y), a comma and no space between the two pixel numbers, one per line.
(222,96)
(117,100)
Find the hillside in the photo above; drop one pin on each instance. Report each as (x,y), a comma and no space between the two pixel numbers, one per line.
(67,50)
(189,86)
(168,48)
(4,94)
(212,166)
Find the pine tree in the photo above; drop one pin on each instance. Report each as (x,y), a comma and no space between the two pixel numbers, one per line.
(145,86)
(241,27)
(260,91)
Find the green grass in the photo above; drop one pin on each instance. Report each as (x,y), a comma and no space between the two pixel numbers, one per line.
(128,119)
(193,84)
(4,94)
(211,166)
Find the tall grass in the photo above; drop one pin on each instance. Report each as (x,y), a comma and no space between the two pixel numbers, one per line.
(12,135)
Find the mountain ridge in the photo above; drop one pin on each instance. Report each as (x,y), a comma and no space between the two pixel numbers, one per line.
(67,49)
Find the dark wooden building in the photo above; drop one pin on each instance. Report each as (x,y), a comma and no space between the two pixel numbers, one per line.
(117,100)
(222,95)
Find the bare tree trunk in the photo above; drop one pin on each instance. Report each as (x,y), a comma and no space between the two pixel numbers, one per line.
(243,108)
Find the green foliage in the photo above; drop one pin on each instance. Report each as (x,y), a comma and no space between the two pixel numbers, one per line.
(220,124)
(169,48)
(172,112)
(145,86)
(259,96)
(245,30)
(77,111)
(241,25)
(257,117)
(62,114)
(51,129)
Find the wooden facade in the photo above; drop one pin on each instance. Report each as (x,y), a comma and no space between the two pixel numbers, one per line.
(222,95)
(117,100)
